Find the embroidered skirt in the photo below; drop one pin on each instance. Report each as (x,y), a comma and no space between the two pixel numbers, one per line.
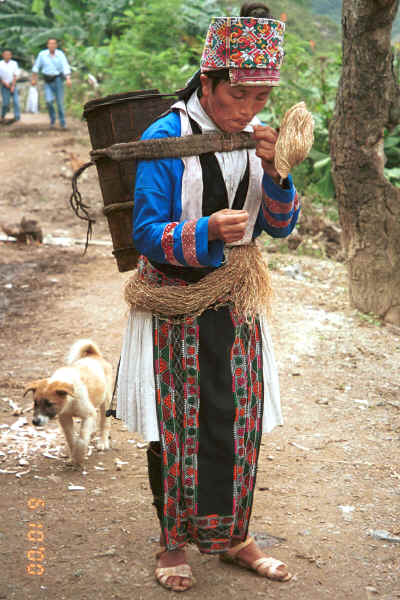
(208,395)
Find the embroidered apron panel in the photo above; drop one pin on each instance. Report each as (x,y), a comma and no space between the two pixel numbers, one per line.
(210,436)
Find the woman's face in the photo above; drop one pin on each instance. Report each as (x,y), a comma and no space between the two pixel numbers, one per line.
(232,107)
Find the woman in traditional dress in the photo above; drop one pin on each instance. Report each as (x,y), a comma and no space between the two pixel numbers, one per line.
(201,385)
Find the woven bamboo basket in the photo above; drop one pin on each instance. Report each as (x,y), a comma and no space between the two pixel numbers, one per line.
(115,119)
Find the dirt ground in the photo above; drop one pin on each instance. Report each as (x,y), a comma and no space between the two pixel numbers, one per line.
(327,480)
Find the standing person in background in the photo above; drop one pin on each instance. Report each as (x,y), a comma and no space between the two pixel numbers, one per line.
(9,72)
(53,65)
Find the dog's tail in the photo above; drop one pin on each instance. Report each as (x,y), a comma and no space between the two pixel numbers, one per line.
(81,349)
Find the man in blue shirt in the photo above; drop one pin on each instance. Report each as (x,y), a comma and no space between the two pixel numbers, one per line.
(53,65)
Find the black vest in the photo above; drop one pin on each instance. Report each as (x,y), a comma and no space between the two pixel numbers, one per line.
(215,198)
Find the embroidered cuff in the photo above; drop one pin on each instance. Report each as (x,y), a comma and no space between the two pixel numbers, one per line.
(168,244)
(189,245)
(186,244)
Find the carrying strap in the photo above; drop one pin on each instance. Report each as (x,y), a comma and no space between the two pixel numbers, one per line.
(112,410)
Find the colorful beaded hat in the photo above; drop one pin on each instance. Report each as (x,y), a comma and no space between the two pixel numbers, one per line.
(252,49)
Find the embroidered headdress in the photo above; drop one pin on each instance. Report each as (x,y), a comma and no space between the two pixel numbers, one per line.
(251,48)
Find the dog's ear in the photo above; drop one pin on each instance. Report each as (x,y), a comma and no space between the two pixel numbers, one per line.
(33,386)
(62,388)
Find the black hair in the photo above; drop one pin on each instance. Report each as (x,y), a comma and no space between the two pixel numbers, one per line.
(52,38)
(190,87)
(217,76)
(194,83)
(258,10)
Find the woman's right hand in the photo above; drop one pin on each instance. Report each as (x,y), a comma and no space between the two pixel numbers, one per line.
(227,225)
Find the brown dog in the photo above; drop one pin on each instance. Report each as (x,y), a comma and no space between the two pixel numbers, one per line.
(76,391)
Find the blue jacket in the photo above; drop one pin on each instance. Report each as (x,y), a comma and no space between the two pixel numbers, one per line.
(157,232)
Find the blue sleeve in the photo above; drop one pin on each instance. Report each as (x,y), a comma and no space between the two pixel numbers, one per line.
(65,64)
(280,208)
(158,232)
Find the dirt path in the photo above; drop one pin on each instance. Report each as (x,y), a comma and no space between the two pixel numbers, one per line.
(327,479)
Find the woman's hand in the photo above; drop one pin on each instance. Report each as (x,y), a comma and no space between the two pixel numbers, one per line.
(266,138)
(227,225)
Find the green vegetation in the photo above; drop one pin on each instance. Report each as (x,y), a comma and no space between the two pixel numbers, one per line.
(333,10)
(138,44)
(330,8)
(392,153)
(312,76)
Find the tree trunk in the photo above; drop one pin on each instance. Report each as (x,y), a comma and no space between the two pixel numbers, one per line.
(368,100)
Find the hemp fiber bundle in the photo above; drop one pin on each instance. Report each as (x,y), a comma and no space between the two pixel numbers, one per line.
(295,139)
(243,281)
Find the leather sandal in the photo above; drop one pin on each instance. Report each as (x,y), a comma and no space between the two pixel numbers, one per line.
(265,566)
(183,571)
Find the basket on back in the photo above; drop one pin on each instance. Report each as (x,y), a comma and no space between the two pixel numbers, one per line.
(117,119)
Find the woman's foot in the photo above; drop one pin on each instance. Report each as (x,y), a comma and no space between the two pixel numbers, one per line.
(173,572)
(247,554)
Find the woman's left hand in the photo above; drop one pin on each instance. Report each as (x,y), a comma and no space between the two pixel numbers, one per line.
(266,138)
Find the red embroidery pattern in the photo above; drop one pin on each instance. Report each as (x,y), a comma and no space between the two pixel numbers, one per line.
(178,403)
(191,395)
(167,243)
(275,206)
(276,222)
(244,43)
(279,207)
(177,379)
(254,76)
(248,394)
(189,243)
(147,272)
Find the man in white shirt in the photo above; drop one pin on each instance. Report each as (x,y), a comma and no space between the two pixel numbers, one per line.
(53,65)
(9,72)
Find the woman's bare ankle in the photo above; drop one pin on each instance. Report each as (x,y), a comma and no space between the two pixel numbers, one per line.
(172,558)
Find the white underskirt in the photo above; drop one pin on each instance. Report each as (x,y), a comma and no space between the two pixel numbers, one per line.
(136,403)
